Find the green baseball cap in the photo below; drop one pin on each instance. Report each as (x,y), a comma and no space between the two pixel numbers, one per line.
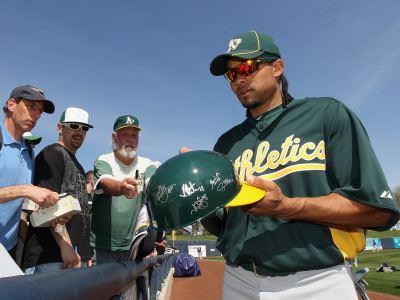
(32,138)
(126,121)
(246,45)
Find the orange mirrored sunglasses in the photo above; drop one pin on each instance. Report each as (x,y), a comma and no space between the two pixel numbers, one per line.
(244,69)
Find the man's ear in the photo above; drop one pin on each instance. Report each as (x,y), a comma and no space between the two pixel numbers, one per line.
(59,128)
(278,67)
(11,104)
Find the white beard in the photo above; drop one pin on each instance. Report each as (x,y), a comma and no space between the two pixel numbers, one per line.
(127,154)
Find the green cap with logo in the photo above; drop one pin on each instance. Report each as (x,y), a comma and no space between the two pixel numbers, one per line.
(126,121)
(246,45)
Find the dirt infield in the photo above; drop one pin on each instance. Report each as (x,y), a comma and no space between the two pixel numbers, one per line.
(208,286)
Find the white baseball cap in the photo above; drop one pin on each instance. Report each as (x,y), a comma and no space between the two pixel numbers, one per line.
(75,115)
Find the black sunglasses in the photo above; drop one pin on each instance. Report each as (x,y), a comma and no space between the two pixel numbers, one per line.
(74,126)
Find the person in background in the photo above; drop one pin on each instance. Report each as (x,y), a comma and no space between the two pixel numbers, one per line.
(120,178)
(90,186)
(22,111)
(90,190)
(56,168)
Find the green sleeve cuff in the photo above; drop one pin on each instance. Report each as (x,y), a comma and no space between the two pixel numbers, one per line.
(214,224)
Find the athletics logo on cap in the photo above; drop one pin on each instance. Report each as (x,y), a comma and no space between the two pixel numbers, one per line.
(129,121)
(233,44)
(126,121)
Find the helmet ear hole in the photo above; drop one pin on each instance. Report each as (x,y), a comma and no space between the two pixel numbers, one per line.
(189,187)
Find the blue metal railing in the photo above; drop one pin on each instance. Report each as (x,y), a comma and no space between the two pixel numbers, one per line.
(157,276)
(97,282)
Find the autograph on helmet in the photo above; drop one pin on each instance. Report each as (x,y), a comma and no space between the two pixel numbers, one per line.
(221,186)
(201,203)
(189,189)
(161,196)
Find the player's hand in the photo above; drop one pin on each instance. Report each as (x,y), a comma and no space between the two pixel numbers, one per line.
(42,197)
(184,150)
(129,188)
(273,204)
(70,257)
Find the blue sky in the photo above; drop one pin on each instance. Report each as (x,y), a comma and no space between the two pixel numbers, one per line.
(151,59)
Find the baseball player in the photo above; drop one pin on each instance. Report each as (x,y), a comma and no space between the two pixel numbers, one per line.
(324,186)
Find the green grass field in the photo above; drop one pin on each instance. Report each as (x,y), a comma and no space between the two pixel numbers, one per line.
(382,282)
(388,283)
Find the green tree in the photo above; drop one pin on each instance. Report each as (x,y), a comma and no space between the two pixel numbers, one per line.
(396,193)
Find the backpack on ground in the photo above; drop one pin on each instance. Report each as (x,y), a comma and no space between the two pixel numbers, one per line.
(186,266)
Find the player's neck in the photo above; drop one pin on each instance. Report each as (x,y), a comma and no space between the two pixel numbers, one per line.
(258,111)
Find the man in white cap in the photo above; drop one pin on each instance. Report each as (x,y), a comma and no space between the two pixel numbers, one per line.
(56,168)
(23,109)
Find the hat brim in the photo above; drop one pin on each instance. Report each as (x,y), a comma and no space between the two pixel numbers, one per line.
(33,139)
(219,66)
(83,123)
(37,141)
(48,106)
(248,194)
(128,126)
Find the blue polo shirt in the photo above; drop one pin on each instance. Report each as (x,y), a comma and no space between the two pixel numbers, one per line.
(16,167)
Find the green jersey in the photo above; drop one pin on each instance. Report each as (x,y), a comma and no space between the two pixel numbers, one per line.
(113,218)
(314,147)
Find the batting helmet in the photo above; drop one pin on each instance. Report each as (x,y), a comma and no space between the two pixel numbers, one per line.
(190,186)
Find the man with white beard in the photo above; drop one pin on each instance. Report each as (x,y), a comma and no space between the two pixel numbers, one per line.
(120,177)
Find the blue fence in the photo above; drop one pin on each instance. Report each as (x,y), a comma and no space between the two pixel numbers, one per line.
(157,276)
(383,243)
(97,282)
(183,246)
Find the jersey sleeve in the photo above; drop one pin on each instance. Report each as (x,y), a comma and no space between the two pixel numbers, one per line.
(102,169)
(149,172)
(49,170)
(353,169)
(214,224)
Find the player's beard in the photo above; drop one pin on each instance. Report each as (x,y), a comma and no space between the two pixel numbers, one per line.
(127,153)
(251,104)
